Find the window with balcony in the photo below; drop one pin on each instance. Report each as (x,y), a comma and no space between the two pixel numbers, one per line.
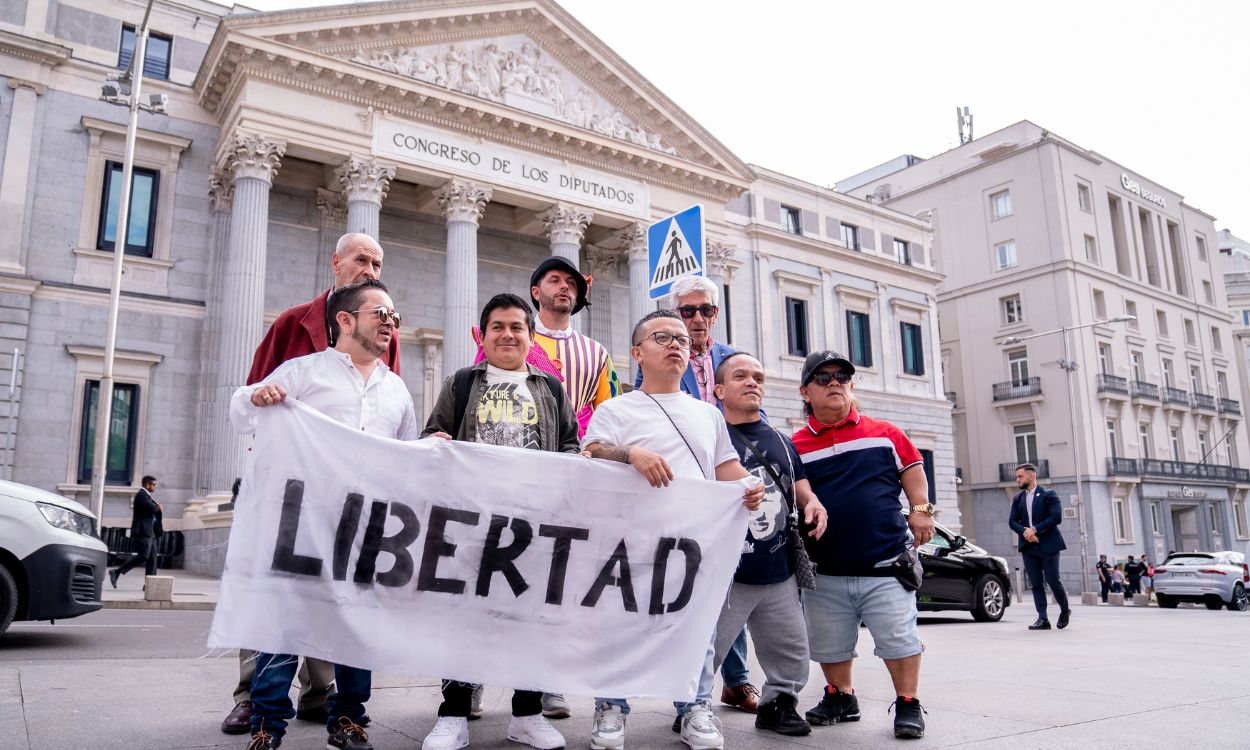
(1195,379)
(1202,446)
(913,348)
(1000,204)
(1013,310)
(790,220)
(1232,449)
(155,57)
(1175,437)
(1113,438)
(850,236)
(1135,362)
(1005,255)
(1166,370)
(1104,359)
(1018,367)
(1025,436)
(1143,434)
(859,338)
(1221,384)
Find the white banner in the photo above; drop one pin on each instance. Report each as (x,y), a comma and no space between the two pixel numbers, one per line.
(504,566)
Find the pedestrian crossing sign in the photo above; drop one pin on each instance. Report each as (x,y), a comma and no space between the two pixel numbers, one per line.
(674,249)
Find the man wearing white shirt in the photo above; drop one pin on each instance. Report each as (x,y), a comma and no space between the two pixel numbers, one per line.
(350,384)
(663,433)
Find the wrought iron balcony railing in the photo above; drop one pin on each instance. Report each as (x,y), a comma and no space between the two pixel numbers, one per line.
(1017,389)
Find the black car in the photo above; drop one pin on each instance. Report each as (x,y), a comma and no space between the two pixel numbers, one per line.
(960,575)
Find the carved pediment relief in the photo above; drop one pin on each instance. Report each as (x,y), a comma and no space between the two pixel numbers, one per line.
(514,71)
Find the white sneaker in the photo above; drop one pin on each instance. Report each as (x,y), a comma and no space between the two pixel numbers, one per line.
(555,706)
(608,731)
(534,731)
(700,729)
(450,733)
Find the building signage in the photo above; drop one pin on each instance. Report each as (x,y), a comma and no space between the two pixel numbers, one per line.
(496,164)
(1187,493)
(1134,187)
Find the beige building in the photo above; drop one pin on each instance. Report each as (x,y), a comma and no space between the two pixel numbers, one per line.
(1235,263)
(1034,233)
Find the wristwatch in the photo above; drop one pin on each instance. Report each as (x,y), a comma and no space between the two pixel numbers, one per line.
(928,508)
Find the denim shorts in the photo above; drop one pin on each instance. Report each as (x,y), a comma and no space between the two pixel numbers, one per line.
(834,610)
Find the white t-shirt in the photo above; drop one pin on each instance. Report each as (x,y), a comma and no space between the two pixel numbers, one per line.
(635,419)
(506,413)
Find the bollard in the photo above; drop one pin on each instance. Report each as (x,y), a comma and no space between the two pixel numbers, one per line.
(1141,600)
(1115,600)
(1019,586)
(1089,599)
(159,589)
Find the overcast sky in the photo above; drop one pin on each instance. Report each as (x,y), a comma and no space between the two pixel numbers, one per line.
(822,90)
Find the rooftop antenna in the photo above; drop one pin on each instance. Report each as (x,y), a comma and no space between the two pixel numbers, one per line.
(964,116)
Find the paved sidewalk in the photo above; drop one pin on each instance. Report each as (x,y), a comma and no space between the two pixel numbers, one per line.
(191,591)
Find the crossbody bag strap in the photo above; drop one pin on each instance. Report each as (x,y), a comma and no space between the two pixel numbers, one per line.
(679,434)
(768,465)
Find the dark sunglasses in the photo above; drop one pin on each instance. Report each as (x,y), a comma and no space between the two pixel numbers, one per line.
(688,311)
(384,315)
(824,378)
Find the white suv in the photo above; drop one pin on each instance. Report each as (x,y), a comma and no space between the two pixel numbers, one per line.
(52,562)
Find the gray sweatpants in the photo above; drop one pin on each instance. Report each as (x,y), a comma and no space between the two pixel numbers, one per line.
(778,632)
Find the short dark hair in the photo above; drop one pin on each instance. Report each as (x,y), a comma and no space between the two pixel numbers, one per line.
(348,298)
(721,369)
(506,301)
(633,338)
(1027,467)
(147,479)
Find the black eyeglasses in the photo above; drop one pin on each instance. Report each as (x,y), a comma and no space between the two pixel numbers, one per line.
(824,378)
(688,311)
(664,339)
(384,315)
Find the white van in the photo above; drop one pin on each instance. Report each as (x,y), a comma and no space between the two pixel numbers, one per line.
(52,563)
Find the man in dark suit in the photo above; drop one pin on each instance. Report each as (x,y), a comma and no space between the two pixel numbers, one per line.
(142,531)
(1035,515)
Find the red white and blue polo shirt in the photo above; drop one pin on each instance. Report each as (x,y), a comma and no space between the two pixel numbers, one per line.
(854,467)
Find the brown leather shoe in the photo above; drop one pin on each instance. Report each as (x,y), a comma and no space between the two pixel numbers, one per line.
(743,697)
(239,720)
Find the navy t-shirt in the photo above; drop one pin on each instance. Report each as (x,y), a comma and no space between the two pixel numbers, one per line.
(766,552)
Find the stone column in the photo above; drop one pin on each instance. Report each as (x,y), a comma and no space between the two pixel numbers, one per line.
(364,183)
(565,225)
(601,266)
(634,239)
(720,272)
(462,203)
(889,358)
(935,349)
(15,182)
(210,419)
(831,302)
(333,210)
(249,162)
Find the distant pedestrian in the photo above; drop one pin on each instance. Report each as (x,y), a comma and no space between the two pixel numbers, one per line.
(1133,572)
(1104,577)
(1148,579)
(1117,579)
(144,522)
(1035,515)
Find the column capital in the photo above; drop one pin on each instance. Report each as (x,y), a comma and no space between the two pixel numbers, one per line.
(720,260)
(364,179)
(565,224)
(634,238)
(601,261)
(332,207)
(220,189)
(461,200)
(252,156)
(20,83)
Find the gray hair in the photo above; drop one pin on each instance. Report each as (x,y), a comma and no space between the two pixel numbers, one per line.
(352,238)
(690,284)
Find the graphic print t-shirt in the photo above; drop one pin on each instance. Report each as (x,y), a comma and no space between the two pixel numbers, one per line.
(765,554)
(506,413)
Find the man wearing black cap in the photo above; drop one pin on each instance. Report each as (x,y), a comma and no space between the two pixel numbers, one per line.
(858,466)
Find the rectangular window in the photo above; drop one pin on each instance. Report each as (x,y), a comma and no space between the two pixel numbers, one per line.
(1175,437)
(1232,449)
(1221,384)
(1113,438)
(790,220)
(1202,446)
(1005,253)
(1082,197)
(142,231)
(1143,433)
(1190,338)
(1130,308)
(1245,317)
(1013,311)
(1202,247)
(155,57)
(1104,359)
(1091,249)
(1018,367)
(796,326)
(1135,361)
(859,338)
(1216,342)
(913,348)
(1208,292)
(1214,517)
(1161,323)
(1123,521)
(1239,520)
(1168,380)
(850,236)
(1195,379)
(1000,204)
(902,252)
(123,433)
(1156,520)
(1026,443)
(1100,305)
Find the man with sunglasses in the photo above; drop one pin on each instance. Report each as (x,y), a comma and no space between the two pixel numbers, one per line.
(304,329)
(351,384)
(695,299)
(663,433)
(858,467)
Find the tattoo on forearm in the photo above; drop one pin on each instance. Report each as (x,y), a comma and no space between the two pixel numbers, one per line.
(610,452)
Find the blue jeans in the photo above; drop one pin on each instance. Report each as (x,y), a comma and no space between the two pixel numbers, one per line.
(706,679)
(734,668)
(271,693)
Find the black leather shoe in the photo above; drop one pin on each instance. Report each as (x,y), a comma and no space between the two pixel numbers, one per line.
(113,576)
(239,720)
(1064,616)
(1041,624)
(779,715)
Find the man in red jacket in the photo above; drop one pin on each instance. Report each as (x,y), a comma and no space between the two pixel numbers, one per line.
(306,329)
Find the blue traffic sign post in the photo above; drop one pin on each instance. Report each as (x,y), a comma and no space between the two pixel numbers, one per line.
(674,249)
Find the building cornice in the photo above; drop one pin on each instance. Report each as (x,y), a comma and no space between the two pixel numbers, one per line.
(34,50)
(824,247)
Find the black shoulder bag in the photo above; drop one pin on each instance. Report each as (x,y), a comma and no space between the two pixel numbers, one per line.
(800,562)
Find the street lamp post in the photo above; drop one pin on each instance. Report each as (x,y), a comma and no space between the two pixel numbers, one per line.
(1070,367)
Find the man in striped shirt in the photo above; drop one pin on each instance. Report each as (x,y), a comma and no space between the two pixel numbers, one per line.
(859,466)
